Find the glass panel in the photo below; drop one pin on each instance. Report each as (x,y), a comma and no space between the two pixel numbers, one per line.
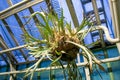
(2,7)
(15,28)
(6,36)
(98,74)
(30,26)
(17,33)
(88,7)
(78,9)
(108,17)
(16,1)
(116,70)
(112,52)
(112,72)
(40,6)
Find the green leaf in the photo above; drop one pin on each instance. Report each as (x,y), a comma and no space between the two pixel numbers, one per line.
(62,23)
(101,67)
(44,32)
(68,26)
(47,26)
(98,72)
(54,61)
(46,21)
(84,23)
(28,38)
(53,21)
(58,53)
(85,33)
(94,43)
(63,69)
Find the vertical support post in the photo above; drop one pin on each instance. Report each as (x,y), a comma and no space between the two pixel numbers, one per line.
(101,36)
(38,73)
(87,71)
(78,58)
(109,66)
(115,11)
(12,68)
(98,21)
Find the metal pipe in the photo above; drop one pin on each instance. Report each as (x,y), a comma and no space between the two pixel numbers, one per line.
(115,10)
(112,40)
(11,49)
(96,11)
(87,71)
(18,7)
(115,16)
(57,67)
(108,35)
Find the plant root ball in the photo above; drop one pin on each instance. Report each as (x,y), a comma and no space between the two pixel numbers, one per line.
(69,51)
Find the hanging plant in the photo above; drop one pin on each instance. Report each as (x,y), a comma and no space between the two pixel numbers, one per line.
(60,43)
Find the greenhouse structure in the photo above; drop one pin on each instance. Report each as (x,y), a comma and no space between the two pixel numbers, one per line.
(59,39)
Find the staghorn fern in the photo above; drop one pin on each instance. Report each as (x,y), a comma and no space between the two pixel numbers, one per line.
(60,43)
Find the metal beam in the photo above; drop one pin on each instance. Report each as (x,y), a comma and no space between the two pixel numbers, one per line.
(87,71)
(48,68)
(72,12)
(14,6)
(94,3)
(50,7)
(18,7)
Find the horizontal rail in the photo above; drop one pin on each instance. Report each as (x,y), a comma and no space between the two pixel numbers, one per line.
(14,6)
(48,68)
(18,47)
